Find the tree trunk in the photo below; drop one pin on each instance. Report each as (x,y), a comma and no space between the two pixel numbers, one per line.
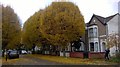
(71,46)
(33,51)
(63,52)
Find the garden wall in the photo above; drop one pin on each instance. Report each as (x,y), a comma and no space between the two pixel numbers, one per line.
(91,55)
(76,54)
(96,55)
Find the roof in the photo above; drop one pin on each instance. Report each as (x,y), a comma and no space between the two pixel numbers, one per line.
(100,18)
(110,17)
(103,20)
(86,24)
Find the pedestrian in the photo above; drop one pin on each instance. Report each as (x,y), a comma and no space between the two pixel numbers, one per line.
(107,51)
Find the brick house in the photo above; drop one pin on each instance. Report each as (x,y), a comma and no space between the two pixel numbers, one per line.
(98,28)
(97,31)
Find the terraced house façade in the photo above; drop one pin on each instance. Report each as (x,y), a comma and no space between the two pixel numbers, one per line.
(98,29)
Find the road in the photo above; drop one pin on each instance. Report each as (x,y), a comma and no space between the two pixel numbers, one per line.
(36,60)
(28,60)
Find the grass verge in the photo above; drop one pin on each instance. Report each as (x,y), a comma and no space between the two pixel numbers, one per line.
(68,60)
(115,59)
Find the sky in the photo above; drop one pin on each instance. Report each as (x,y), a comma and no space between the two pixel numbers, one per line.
(26,8)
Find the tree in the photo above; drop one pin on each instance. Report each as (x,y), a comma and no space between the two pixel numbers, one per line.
(1,26)
(31,31)
(114,40)
(62,23)
(11,28)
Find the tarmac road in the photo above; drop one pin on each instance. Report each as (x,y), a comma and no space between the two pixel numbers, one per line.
(29,60)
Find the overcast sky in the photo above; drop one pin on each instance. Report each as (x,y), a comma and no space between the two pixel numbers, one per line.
(26,8)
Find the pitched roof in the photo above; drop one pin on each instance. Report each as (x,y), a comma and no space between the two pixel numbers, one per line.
(109,18)
(103,20)
(86,24)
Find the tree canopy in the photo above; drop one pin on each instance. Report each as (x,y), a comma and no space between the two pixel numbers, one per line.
(62,22)
(58,24)
(113,40)
(31,31)
(11,28)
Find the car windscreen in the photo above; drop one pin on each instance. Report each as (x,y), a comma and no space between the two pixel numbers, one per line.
(13,52)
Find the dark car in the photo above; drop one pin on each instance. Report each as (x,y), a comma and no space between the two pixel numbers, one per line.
(13,54)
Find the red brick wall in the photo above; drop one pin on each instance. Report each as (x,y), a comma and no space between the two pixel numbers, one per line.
(76,54)
(96,55)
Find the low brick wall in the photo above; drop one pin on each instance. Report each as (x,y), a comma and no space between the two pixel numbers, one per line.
(76,54)
(99,55)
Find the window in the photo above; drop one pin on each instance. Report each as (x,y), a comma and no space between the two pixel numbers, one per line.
(96,46)
(103,46)
(91,32)
(95,32)
(91,46)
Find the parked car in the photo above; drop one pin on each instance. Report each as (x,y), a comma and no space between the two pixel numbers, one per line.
(24,52)
(13,54)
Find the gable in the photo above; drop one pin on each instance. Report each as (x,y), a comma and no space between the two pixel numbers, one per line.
(94,20)
(114,19)
(97,19)
(110,17)
(113,25)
